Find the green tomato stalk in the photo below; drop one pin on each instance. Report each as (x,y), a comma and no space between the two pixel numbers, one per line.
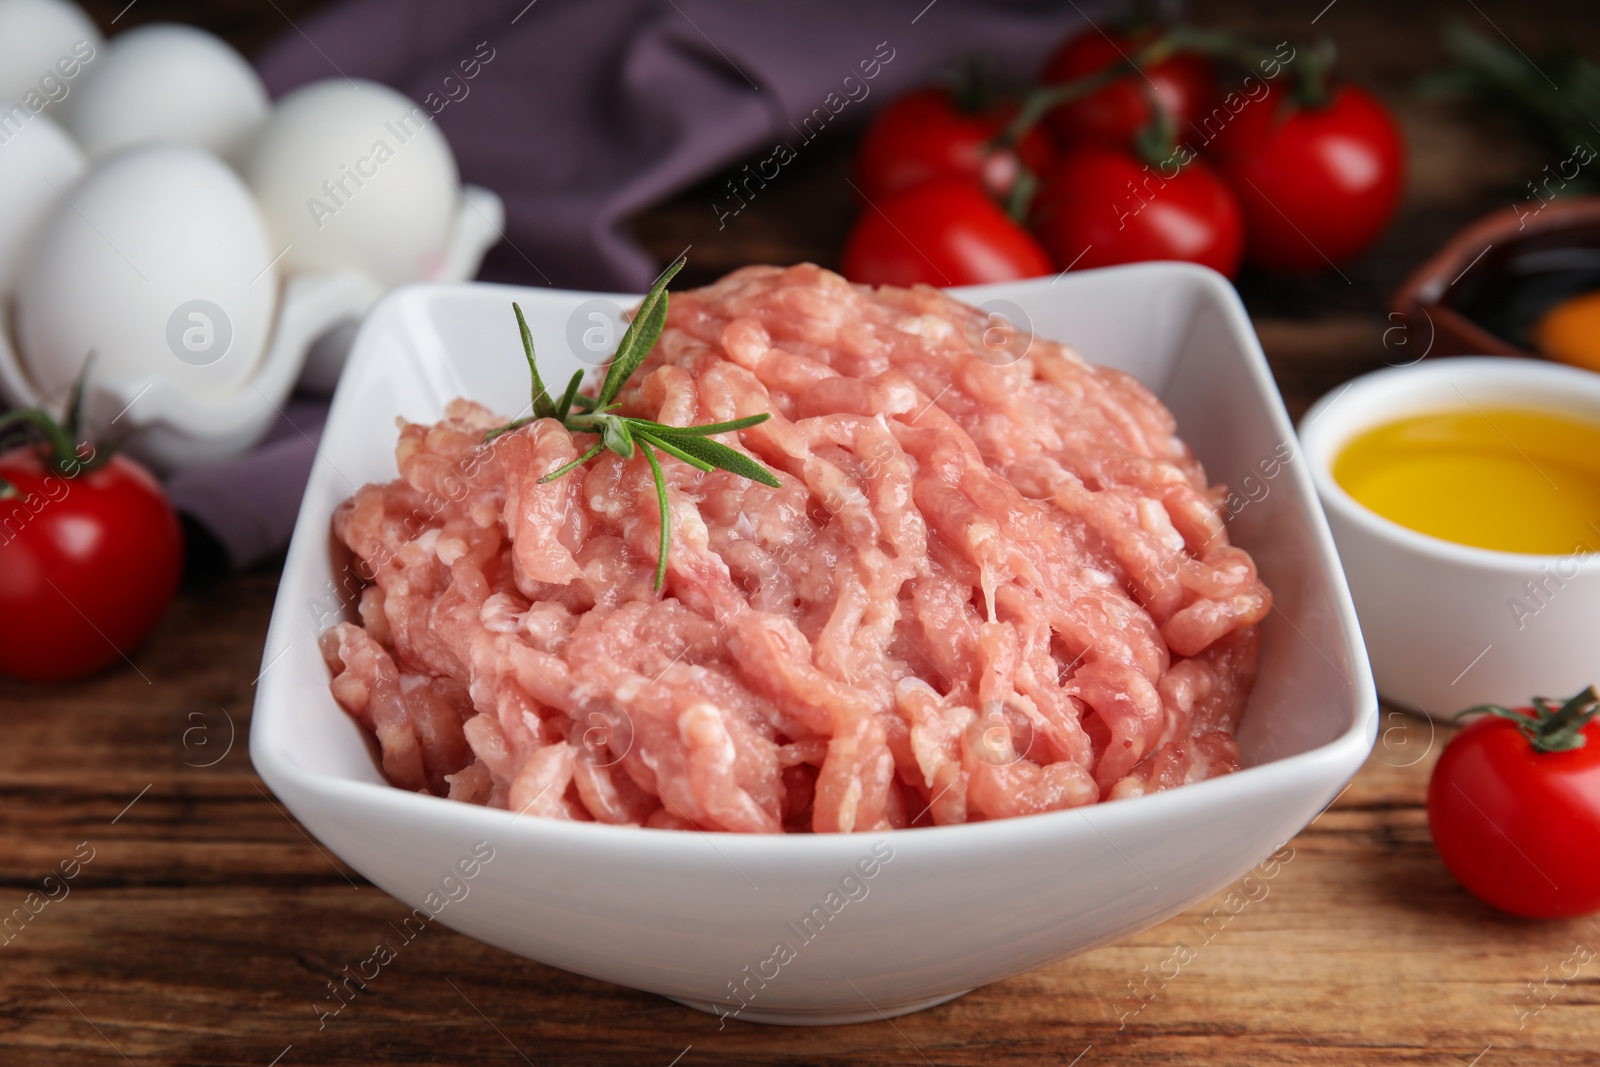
(1549,728)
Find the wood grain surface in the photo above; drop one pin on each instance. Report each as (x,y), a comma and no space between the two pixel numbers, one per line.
(207,923)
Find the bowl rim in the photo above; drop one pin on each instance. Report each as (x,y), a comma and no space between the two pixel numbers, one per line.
(1337,758)
(1323,444)
(1425,290)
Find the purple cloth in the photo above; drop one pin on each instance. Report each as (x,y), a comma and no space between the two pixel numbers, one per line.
(249,504)
(590,111)
(581,114)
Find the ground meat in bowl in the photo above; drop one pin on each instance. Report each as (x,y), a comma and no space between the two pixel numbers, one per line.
(987,587)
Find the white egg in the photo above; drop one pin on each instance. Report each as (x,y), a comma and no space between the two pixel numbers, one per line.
(45,46)
(38,163)
(355,175)
(160,265)
(166,82)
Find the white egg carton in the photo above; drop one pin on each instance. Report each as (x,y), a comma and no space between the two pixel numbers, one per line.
(164,141)
(169,430)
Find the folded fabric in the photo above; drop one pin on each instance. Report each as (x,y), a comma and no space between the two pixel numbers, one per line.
(582,114)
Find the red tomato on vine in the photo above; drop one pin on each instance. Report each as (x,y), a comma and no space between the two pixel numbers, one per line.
(1101,206)
(1317,183)
(944,232)
(1114,115)
(90,554)
(924,135)
(1514,807)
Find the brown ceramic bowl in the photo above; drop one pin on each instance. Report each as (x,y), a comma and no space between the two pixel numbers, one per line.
(1482,292)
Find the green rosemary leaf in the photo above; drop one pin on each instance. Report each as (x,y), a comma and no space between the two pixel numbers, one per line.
(666,527)
(564,405)
(542,408)
(1504,77)
(586,403)
(515,424)
(670,449)
(706,429)
(633,349)
(614,433)
(640,336)
(580,461)
(728,459)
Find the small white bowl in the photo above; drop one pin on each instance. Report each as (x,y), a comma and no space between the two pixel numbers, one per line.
(698,917)
(1442,621)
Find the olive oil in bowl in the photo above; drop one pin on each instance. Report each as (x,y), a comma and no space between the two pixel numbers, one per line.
(1510,479)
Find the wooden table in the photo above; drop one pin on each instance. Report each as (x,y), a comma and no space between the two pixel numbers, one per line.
(207,922)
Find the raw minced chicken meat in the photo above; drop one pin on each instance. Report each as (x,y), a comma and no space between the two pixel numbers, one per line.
(982,591)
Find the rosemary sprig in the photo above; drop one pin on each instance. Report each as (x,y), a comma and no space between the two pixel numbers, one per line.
(623,435)
(1501,75)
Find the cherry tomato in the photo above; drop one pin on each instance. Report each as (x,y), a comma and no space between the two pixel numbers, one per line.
(1517,826)
(1114,114)
(1317,184)
(88,564)
(1100,206)
(923,135)
(942,232)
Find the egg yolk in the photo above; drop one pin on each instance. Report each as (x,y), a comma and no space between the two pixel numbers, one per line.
(1509,479)
(1570,332)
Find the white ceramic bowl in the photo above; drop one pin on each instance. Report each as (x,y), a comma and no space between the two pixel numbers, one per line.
(691,915)
(1441,620)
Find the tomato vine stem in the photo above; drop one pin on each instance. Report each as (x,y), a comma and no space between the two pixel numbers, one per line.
(1549,728)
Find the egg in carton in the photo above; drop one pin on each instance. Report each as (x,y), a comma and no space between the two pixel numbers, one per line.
(201,290)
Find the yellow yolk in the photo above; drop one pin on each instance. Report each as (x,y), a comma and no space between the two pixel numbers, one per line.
(1503,478)
(1570,332)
